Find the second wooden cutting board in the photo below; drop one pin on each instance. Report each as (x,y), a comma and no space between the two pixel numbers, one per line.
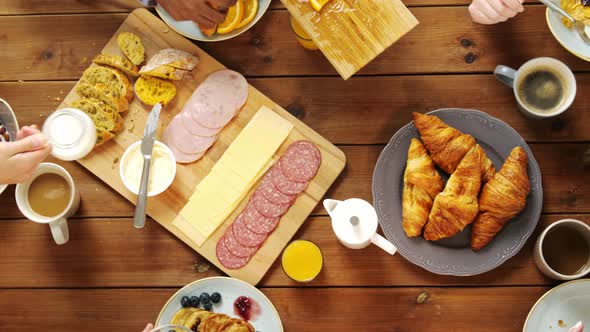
(351,33)
(164,208)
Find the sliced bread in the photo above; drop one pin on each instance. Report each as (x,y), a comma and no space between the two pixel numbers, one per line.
(103,136)
(151,90)
(103,116)
(111,77)
(117,62)
(103,93)
(132,47)
(166,72)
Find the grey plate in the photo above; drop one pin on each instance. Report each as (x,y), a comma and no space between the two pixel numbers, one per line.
(453,256)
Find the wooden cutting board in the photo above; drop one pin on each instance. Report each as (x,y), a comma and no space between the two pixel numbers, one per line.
(351,33)
(164,208)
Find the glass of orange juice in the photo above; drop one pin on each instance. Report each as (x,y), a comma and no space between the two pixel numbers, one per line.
(302,37)
(302,260)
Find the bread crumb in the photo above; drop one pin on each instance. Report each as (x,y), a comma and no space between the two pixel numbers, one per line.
(57,99)
(84,60)
(422,297)
(41,115)
(21,81)
(61,92)
(166,30)
(561,323)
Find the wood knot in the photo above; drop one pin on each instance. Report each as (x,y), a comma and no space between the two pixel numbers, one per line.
(466,42)
(256,42)
(296,111)
(558,125)
(569,199)
(267,59)
(470,58)
(46,55)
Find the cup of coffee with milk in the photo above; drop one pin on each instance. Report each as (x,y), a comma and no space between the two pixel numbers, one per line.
(543,87)
(50,197)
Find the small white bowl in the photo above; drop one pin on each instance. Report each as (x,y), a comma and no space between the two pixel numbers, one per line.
(123,163)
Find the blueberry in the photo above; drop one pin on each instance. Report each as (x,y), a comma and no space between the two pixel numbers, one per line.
(194,301)
(185,302)
(208,306)
(215,297)
(205,298)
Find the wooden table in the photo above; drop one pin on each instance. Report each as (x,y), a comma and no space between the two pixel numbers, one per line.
(111,276)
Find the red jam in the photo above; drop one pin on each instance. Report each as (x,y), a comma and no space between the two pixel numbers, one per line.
(246,308)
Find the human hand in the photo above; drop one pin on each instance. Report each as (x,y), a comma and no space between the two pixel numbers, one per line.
(18,160)
(148,328)
(201,12)
(494,11)
(577,328)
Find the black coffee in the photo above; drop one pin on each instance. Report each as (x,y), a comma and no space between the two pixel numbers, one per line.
(542,90)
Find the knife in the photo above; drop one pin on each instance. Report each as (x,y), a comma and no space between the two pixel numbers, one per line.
(147,144)
(149,3)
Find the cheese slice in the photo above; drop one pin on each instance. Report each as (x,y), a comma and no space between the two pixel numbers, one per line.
(247,158)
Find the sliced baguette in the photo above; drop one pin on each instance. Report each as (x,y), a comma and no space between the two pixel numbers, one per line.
(132,47)
(171,57)
(103,136)
(103,93)
(166,72)
(151,90)
(112,77)
(103,116)
(117,62)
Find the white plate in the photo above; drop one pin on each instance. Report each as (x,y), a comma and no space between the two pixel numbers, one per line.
(568,302)
(191,30)
(568,38)
(230,289)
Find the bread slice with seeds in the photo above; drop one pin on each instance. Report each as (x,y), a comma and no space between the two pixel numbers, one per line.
(103,116)
(132,47)
(104,93)
(103,136)
(151,90)
(112,77)
(118,62)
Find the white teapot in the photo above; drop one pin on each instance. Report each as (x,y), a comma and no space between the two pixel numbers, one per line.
(355,223)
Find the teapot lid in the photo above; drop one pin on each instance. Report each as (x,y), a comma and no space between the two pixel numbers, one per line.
(354,220)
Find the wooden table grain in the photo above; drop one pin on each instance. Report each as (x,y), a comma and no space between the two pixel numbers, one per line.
(114,277)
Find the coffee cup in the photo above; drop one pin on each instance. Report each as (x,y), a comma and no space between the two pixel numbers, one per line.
(58,222)
(562,251)
(543,87)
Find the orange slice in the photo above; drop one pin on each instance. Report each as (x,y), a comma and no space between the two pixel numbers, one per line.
(250,11)
(235,14)
(318,4)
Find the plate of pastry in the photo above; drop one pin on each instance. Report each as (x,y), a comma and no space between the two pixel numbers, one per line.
(457,191)
(220,304)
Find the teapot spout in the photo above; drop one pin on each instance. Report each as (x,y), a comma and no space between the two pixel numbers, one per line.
(330,205)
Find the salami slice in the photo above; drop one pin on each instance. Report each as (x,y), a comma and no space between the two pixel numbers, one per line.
(266,207)
(235,247)
(258,223)
(245,236)
(300,162)
(283,184)
(218,99)
(270,191)
(227,259)
(195,128)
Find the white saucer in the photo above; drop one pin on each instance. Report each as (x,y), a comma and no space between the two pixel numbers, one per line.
(568,38)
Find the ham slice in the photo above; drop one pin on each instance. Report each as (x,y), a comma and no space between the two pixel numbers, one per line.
(213,104)
(178,136)
(218,99)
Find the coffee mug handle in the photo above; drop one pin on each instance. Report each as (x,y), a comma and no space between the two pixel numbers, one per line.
(505,75)
(59,230)
(384,244)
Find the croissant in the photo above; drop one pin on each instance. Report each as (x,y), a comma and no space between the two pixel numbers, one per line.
(456,206)
(502,198)
(421,185)
(447,145)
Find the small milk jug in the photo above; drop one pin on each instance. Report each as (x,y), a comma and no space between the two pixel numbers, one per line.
(355,223)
